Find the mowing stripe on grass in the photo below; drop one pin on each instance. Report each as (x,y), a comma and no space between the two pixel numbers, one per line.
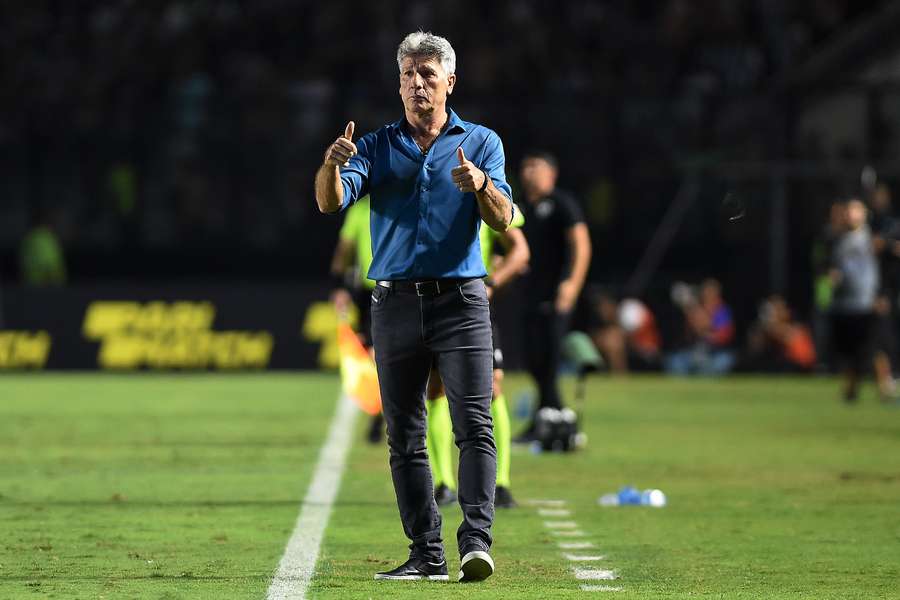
(296,568)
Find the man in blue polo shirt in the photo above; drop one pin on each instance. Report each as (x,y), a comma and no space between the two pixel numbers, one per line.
(432,179)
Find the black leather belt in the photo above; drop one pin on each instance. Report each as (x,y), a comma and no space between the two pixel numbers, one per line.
(430,287)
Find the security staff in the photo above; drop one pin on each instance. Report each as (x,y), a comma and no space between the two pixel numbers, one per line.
(431,178)
(560,256)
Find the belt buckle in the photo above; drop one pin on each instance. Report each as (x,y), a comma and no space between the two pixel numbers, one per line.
(422,286)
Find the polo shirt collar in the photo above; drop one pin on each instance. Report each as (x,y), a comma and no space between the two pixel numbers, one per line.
(454,123)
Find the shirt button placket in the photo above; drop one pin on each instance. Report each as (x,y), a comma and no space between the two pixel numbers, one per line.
(424,187)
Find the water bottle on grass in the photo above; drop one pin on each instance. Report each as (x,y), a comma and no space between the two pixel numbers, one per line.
(630,495)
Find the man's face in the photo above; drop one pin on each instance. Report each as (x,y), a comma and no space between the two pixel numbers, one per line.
(538,176)
(856,214)
(782,312)
(710,294)
(424,85)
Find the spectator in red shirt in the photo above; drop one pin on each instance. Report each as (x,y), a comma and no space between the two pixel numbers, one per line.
(778,343)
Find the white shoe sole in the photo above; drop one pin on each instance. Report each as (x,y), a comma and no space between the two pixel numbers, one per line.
(378,576)
(476,566)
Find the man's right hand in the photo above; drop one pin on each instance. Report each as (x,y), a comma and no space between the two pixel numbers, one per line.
(342,150)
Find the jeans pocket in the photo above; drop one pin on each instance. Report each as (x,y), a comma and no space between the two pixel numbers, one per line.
(473,292)
(379,296)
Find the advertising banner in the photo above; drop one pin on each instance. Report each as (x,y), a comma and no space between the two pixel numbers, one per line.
(203,327)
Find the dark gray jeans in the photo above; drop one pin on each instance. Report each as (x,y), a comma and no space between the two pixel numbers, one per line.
(453,331)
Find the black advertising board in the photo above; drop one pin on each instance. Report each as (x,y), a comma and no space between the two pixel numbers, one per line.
(195,327)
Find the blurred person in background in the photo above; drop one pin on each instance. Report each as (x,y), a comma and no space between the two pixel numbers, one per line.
(41,258)
(560,256)
(885,236)
(429,305)
(709,328)
(626,334)
(823,285)
(777,343)
(349,269)
(501,271)
(855,276)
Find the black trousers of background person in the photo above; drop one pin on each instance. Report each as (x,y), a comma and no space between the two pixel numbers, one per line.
(544,330)
(453,331)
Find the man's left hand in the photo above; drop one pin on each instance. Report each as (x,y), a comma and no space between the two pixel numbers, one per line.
(467,177)
(566,296)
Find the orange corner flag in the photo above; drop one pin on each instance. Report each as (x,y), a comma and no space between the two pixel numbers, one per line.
(358,375)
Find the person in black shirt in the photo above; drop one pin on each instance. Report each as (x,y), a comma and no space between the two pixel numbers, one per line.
(560,256)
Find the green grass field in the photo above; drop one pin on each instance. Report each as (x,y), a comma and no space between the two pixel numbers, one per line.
(189,486)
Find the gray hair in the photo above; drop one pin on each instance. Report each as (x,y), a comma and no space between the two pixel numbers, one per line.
(420,43)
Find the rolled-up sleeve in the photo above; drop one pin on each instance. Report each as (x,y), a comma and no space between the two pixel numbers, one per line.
(355,176)
(494,164)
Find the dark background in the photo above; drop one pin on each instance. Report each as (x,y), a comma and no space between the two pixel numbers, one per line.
(176,141)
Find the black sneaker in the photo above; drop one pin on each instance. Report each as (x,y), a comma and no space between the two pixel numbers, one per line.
(503,498)
(444,495)
(415,569)
(376,429)
(475,566)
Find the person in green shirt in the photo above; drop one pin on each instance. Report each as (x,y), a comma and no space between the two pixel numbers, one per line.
(349,267)
(439,438)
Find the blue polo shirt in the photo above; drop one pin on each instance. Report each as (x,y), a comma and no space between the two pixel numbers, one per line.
(422,226)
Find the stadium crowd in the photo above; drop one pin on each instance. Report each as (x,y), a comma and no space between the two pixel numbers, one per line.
(176,127)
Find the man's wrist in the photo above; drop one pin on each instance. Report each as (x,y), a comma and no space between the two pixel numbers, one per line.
(484,184)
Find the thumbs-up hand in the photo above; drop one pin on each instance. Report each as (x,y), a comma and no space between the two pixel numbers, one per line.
(343,149)
(467,177)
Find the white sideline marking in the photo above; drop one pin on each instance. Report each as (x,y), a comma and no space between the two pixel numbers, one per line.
(297,566)
(550,503)
(568,532)
(560,524)
(600,588)
(554,512)
(575,545)
(595,574)
(582,557)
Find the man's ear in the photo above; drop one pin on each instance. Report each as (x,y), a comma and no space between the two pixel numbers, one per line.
(452,81)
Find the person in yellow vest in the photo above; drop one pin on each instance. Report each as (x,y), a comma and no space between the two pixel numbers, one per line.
(349,267)
(439,437)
